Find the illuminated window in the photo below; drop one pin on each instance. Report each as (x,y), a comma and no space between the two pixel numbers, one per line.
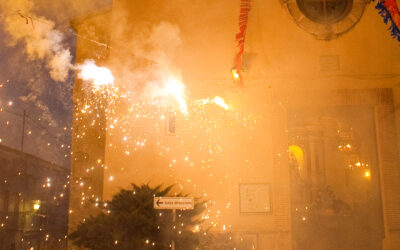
(296,153)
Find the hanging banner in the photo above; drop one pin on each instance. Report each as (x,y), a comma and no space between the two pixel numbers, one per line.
(389,10)
(245,6)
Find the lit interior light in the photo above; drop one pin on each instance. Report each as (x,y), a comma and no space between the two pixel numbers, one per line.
(367,174)
(36,206)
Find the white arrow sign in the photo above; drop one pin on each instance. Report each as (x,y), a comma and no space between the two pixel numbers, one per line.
(173,203)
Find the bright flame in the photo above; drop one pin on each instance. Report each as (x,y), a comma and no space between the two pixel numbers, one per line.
(216,100)
(235,74)
(99,76)
(220,102)
(177,90)
(367,174)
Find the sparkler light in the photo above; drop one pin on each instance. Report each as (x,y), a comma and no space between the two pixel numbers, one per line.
(99,76)
(235,75)
(220,102)
(175,89)
(217,101)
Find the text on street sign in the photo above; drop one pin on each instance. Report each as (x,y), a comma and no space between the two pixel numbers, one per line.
(173,202)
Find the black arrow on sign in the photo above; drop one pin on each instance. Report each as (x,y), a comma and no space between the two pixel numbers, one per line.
(158,202)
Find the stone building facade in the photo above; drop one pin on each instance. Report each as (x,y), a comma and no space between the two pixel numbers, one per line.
(307,155)
(33,202)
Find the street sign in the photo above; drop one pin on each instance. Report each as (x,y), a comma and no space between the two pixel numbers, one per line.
(173,203)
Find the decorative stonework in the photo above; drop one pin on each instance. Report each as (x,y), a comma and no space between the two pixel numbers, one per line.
(326,20)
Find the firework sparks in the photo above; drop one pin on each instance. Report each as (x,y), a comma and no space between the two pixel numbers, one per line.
(143,122)
(219,101)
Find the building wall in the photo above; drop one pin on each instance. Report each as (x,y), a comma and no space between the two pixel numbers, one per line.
(280,58)
(25,181)
(377,147)
(278,51)
(88,129)
(250,151)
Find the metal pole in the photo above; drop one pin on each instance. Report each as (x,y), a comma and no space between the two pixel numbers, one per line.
(173,222)
(23,131)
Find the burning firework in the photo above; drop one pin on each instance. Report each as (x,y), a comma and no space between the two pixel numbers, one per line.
(171,88)
(177,90)
(219,101)
(98,76)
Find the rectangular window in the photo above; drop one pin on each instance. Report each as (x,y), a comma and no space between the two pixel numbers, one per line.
(6,200)
(170,125)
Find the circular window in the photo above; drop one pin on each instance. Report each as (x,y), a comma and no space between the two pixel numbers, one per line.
(326,19)
(325,11)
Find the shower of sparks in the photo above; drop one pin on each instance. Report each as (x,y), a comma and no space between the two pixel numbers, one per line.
(133,122)
(54,190)
(89,71)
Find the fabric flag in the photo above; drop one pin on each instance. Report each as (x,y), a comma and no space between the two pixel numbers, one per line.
(389,10)
(245,6)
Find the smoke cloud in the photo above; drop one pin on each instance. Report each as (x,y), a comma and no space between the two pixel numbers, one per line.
(41,39)
(38,32)
(150,68)
(37,49)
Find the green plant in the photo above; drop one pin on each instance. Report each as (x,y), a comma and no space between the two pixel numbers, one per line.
(129,221)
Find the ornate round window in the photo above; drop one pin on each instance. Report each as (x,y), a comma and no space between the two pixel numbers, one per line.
(326,19)
(325,11)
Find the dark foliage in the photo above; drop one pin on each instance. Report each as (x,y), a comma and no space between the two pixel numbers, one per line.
(129,221)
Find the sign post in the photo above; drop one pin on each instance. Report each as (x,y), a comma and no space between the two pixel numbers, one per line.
(173,222)
(174,203)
